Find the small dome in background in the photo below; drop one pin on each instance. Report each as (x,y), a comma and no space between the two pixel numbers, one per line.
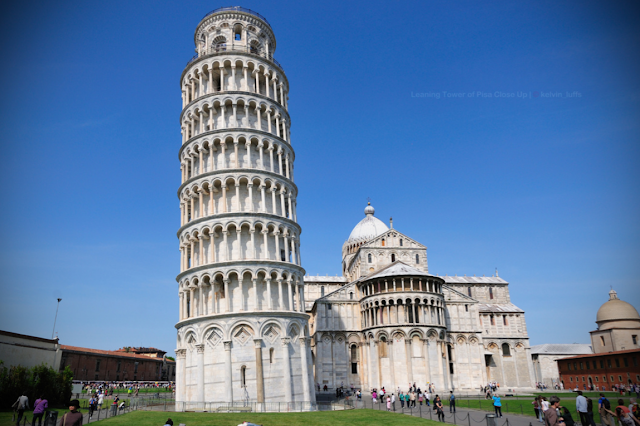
(615,309)
(369,209)
(369,227)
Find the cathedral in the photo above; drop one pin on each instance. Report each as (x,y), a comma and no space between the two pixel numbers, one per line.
(388,322)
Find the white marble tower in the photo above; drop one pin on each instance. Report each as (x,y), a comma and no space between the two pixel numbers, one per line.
(243,332)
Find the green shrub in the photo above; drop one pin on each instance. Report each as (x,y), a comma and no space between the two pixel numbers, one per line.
(39,380)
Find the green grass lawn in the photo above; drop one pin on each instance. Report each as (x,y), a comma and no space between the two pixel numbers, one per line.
(333,418)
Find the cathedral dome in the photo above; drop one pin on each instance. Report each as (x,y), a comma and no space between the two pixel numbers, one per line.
(368,228)
(615,309)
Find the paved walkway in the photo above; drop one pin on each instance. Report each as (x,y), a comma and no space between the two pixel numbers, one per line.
(462,416)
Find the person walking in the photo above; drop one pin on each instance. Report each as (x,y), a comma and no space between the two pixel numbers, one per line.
(497,405)
(374,395)
(452,402)
(604,407)
(39,406)
(388,403)
(21,404)
(393,401)
(581,408)
(590,412)
(437,403)
(536,408)
(73,417)
(412,398)
(401,396)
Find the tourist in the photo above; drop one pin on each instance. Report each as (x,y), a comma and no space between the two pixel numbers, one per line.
(427,397)
(401,396)
(420,397)
(581,408)
(497,405)
(39,406)
(625,419)
(412,399)
(374,396)
(452,402)
(437,405)
(393,401)
(536,408)
(545,407)
(551,414)
(169,422)
(633,408)
(73,417)
(604,407)
(100,400)
(93,403)
(622,406)
(590,412)
(388,403)
(21,404)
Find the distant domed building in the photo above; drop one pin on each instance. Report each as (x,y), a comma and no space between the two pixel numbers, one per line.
(618,326)
(616,357)
(387,322)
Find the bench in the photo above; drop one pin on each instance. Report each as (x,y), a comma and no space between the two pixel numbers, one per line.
(232,408)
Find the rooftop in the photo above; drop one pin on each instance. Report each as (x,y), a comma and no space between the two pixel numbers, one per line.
(472,280)
(562,349)
(603,354)
(398,268)
(324,279)
(502,307)
(103,352)
(237,9)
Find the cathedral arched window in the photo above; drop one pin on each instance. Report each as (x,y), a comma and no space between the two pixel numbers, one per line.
(322,291)
(243,376)
(383,242)
(417,258)
(506,351)
(469,291)
(400,242)
(393,257)
(490,293)
(271,357)
(369,257)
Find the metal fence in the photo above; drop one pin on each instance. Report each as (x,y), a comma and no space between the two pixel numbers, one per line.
(262,407)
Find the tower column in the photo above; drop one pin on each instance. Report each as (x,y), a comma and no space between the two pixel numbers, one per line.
(287,369)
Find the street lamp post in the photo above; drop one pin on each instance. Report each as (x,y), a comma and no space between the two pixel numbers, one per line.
(56,319)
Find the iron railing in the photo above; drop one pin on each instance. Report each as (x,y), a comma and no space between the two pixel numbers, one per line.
(262,407)
(237,9)
(235,48)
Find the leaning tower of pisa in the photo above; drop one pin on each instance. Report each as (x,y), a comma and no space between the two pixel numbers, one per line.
(242,333)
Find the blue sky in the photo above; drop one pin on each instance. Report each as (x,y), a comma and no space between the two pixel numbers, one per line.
(543,188)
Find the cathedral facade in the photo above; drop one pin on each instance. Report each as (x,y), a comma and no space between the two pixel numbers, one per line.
(388,323)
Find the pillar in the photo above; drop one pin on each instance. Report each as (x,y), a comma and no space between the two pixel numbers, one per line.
(200,378)
(228,384)
(304,361)
(287,369)
(259,374)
